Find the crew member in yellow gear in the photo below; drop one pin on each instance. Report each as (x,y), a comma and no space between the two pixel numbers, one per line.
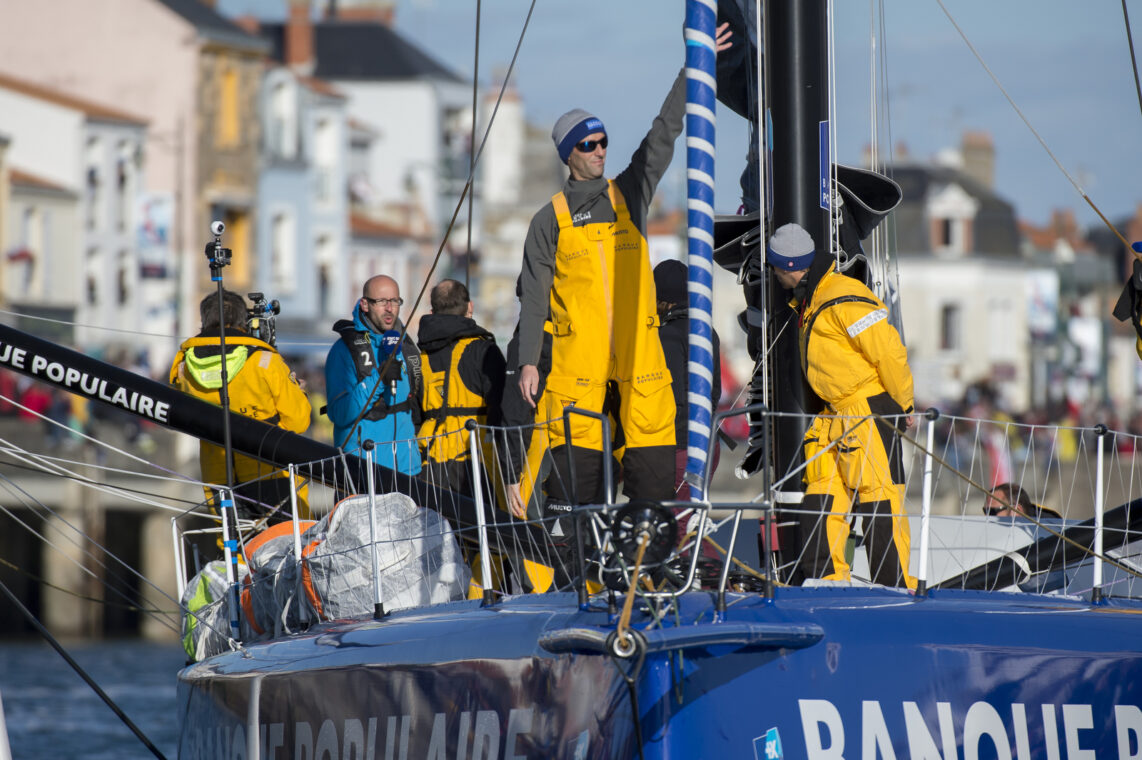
(854,361)
(259,385)
(463,372)
(586,281)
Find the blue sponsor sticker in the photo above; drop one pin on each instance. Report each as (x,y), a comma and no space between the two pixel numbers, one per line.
(768,746)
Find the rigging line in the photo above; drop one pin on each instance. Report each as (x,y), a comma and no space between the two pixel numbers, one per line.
(159,616)
(49,467)
(14,449)
(104,444)
(1027,122)
(1133,58)
(29,501)
(831,94)
(447,231)
(111,488)
(106,603)
(971,482)
(471,137)
(82,673)
(90,327)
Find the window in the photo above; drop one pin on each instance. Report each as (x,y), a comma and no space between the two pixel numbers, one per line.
(91,281)
(944,236)
(325,259)
(281,137)
(124,184)
(93,192)
(324,161)
(122,279)
(226,124)
(950,327)
(283,252)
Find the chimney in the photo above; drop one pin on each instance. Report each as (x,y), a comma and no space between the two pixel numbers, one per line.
(979,158)
(298,48)
(376,11)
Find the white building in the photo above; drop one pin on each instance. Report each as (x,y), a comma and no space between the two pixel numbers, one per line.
(973,306)
(67,151)
(419,110)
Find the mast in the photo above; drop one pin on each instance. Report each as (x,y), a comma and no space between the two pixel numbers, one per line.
(796,71)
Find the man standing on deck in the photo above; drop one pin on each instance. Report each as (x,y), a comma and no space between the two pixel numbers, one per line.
(854,361)
(372,378)
(586,283)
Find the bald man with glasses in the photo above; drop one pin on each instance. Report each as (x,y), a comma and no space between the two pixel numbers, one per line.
(372,380)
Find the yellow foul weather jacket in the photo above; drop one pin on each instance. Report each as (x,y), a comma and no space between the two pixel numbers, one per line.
(849,349)
(855,362)
(259,386)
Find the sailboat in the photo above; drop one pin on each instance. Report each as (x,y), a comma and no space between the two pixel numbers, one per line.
(1019,642)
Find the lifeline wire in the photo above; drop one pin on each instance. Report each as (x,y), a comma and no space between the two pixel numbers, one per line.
(1133,59)
(471,155)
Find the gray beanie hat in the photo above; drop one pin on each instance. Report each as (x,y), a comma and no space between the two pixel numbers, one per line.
(790,248)
(572,127)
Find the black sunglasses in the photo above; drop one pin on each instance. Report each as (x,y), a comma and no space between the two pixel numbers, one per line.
(588,146)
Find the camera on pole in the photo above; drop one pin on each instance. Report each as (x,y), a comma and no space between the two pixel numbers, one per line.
(216,254)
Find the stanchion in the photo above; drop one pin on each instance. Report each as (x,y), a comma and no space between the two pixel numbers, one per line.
(378,603)
(230,555)
(1100,431)
(926,512)
(481,524)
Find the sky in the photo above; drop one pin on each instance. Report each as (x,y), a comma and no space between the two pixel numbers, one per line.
(1065,64)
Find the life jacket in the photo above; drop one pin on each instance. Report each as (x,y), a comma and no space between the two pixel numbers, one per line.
(447,406)
(367,363)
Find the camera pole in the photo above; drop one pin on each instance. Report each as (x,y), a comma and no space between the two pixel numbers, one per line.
(218,258)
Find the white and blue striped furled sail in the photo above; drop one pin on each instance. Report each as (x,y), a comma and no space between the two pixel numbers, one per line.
(701,92)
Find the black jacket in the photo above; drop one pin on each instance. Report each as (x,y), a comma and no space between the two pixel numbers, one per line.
(481,366)
(675,336)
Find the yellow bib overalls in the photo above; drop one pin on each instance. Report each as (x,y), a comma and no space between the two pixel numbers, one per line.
(604,327)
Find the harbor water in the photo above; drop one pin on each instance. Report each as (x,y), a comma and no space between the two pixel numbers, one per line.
(51,712)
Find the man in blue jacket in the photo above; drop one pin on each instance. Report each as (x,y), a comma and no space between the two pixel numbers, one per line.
(372,380)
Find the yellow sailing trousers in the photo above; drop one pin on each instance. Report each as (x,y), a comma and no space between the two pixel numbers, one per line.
(850,453)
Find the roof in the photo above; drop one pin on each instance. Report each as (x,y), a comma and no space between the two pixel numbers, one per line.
(994,229)
(321,87)
(362,226)
(362,50)
(34,182)
(90,109)
(213,25)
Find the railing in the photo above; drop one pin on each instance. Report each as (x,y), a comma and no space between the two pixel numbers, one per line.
(1079,536)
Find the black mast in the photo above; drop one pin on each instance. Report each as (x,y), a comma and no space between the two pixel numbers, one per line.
(797,85)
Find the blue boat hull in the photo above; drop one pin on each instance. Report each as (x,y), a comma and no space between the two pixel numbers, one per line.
(823,673)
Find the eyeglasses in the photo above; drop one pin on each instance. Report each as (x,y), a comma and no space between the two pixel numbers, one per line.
(384,301)
(588,146)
